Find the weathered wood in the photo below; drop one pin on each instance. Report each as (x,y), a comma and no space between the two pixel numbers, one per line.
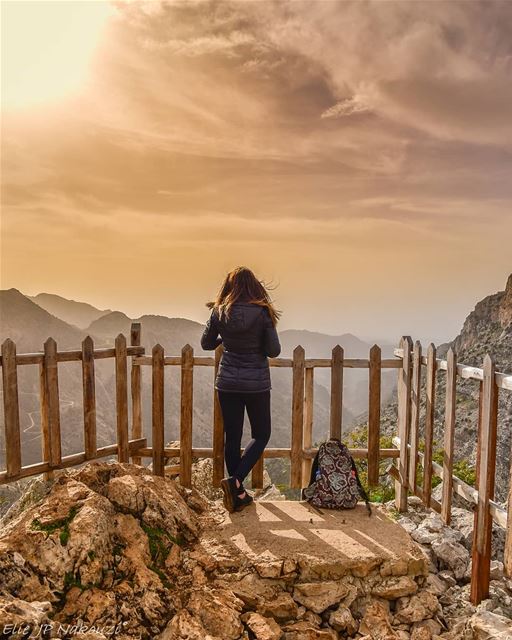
(11,409)
(317,363)
(68,461)
(257,474)
(45,426)
(157,428)
(218,427)
(481,564)
(507,560)
(415,416)
(307,438)
(174,452)
(449,436)
(404,423)
(187,381)
(430,408)
(135,387)
(502,380)
(466,491)
(51,397)
(336,416)
(374,387)
(297,417)
(122,398)
(89,397)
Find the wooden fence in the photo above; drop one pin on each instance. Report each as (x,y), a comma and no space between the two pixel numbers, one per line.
(486,510)
(409,363)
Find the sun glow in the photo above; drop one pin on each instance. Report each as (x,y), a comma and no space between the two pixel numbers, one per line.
(47,47)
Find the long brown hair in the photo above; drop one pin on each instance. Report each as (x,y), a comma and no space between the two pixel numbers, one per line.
(241,285)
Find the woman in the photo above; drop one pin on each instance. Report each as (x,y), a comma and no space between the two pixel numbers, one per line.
(246,319)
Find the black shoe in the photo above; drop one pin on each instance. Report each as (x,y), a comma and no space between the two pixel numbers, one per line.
(230,490)
(241,503)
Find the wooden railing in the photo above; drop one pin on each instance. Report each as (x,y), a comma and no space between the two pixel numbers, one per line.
(486,511)
(300,452)
(409,363)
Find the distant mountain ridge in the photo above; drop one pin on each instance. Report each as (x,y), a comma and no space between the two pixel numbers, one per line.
(79,314)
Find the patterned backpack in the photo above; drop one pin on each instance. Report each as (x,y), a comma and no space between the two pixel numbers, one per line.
(334,482)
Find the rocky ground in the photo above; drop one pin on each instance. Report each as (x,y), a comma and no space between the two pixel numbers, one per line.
(132,555)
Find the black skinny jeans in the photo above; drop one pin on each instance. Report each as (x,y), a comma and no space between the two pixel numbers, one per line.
(233,405)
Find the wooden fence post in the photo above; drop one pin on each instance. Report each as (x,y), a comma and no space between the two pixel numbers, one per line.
(11,409)
(51,397)
(187,381)
(415,416)
(89,398)
(218,427)
(481,563)
(404,422)
(307,441)
(297,417)
(45,422)
(157,434)
(430,392)
(449,435)
(336,418)
(374,385)
(122,398)
(135,384)
(507,560)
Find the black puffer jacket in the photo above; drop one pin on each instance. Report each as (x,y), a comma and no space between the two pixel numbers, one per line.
(249,338)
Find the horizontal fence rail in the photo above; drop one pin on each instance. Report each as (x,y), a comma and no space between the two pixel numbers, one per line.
(418,375)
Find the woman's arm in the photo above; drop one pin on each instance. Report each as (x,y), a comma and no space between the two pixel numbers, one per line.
(210,339)
(271,344)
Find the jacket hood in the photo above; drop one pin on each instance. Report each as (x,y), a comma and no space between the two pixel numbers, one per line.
(242,316)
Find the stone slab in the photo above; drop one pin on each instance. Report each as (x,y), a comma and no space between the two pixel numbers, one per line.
(327,544)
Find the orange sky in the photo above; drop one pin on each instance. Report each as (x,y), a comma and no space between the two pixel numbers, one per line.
(357,154)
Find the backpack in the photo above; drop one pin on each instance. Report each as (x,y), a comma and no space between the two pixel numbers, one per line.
(334,482)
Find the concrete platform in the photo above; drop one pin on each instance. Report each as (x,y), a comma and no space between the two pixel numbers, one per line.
(330,544)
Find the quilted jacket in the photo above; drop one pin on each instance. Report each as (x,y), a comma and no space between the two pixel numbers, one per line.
(249,339)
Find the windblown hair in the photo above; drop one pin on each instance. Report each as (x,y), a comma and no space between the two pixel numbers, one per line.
(241,285)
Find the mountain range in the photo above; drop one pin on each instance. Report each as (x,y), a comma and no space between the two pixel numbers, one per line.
(29,321)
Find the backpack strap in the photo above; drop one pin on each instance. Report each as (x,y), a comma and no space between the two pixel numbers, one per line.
(312,478)
(362,491)
(314,468)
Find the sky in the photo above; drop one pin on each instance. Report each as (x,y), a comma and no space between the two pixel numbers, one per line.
(356,155)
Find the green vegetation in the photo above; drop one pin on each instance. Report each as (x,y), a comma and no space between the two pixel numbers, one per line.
(163,578)
(62,523)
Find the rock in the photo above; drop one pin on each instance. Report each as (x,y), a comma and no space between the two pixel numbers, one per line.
(282,607)
(435,584)
(416,608)
(318,596)
(184,627)
(432,625)
(305,631)
(253,590)
(395,587)
(496,570)
(376,623)
(263,628)
(421,633)
(18,614)
(423,536)
(342,620)
(453,555)
(486,625)
(218,611)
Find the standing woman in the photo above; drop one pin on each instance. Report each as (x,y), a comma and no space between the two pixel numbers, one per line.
(245,318)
